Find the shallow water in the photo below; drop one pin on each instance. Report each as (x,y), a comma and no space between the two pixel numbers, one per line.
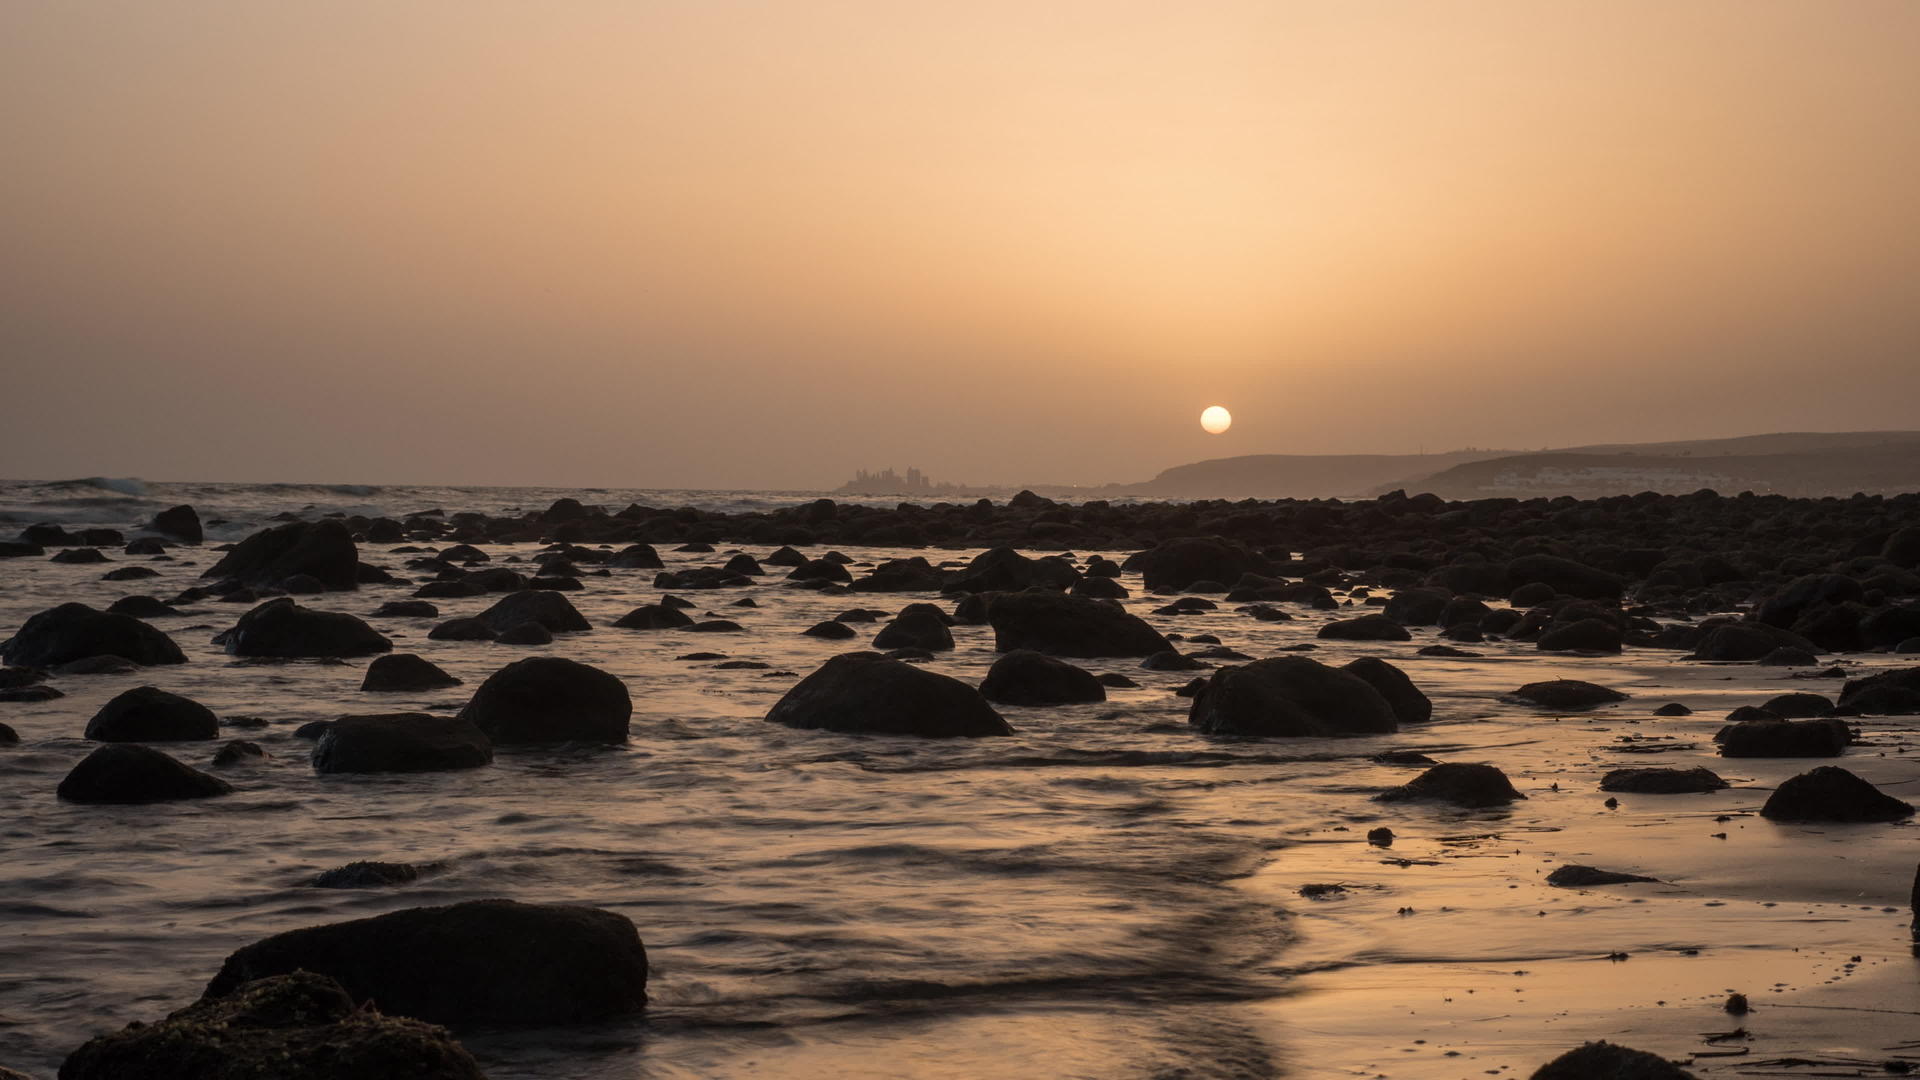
(1104,894)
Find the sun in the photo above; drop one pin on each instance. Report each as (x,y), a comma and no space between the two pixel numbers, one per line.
(1216,419)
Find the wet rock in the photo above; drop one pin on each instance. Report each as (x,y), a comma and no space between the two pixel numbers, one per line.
(830,630)
(180,522)
(1567,694)
(1788,656)
(298,1026)
(76,631)
(140,607)
(656,617)
(548,699)
(1061,625)
(79,555)
(129,573)
(1467,785)
(1100,588)
(637,557)
(283,629)
(1172,660)
(1830,793)
(1380,837)
(1605,1061)
(323,550)
(239,752)
(1586,635)
(1003,569)
(1888,693)
(549,609)
(1565,576)
(1746,641)
(8,736)
(312,729)
(1798,706)
(817,570)
(1652,781)
(406,609)
(365,875)
(1418,607)
(468,629)
(403,672)
(866,693)
(527,633)
(1290,696)
(1571,876)
(1784,738)
(1365,628)
(1673,708)
(915,630)
(1115,680)
(1401,757)
(1025,677)
(13,677)
(1176,565)
(130,773)
(149,714)
(1448,651)
(97,665)
(401,742)
(1410,706)
(482,962)
(715,626)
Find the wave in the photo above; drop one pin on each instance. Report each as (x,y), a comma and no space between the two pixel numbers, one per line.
(124,485)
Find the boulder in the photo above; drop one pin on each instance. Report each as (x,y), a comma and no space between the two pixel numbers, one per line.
(915,630)
(831,630)
(1798,706)
(467,629)
(149,714)
(1003,569)
(1746,641)
(527,633)
(1830,793)
(1468,785)
(1175,565)
(1025,677)
(656,617)
(1565,576)
(323,550)
(496,962)
(71,632)
(1565,694)
(1290,696)
(365,874)
(239,752)
(1062,625)
(131,773)
(1605,1061)
(1802,594)
(1365,628)
(548,699)
(281,628)
(180,522)
(401,742)
(406,609)
(140,607)
(1572,876)
(1784,738)
(549,609)
(298,1026)
(1653,781)
(1888,693)
(402,672)
(866,693)
(1584,635)
(1410,706)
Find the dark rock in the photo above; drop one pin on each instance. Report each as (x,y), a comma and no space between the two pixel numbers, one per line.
(1446,650)
(1605,1061)
(1410,706)
(97,665)
(915,630)
(1290,696)
(181,522)
(480,962)
(549,609)
(1401,757)
(1418,607)
(467,629)
(284,629)
(239,752)
(1365,628)
(365,875)
(131,773)
(866,693)
(402,672)
(1662,781)
(547,699)
(79,555)
(1100,588)
(637,557)
(1062,625)
(527,633)
(323,550)
(1746,641)
(1025,677)
(1784,738)
(401,742)
(147,714)
(1566,576)
(312,729)
(1788,656)
(1117,681)
(1172,660)
(715,626)
(1889,693)
(299,1026)
(1565,694)
(657,617)
(406,609)
(1673,708)
(76,631)
(1785,607)
(819,570)
(130,573)
(1586,635)
(830,630)
(1798,706)
(140,607)
(1830,793)
(1175,565)
(1571,876)
(1469,785)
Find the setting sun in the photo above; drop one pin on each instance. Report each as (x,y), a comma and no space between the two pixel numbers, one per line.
(1216,419)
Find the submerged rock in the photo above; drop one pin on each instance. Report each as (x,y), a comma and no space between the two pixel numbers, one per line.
(365,874)
(1061,625)
(71,632)
(480,962)
(915,630)
(131,773)
(239,752)
(400,672)
(1468,785)
(299,1026)
(658,617)
(1830,793)
(1580,877)
(1290,696)
(283,629)
(400,742)
(866,693)
(1025,677)
(547,699)
(149,714)
(548,608)
(1365,628)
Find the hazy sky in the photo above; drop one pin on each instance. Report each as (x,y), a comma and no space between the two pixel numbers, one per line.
(712,243)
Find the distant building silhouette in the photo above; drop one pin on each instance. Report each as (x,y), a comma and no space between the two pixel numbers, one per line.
(889,482)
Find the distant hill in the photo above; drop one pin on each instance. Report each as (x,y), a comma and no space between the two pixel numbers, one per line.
(1789,463)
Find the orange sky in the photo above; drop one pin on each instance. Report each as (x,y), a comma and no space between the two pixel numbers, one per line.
(709,243)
